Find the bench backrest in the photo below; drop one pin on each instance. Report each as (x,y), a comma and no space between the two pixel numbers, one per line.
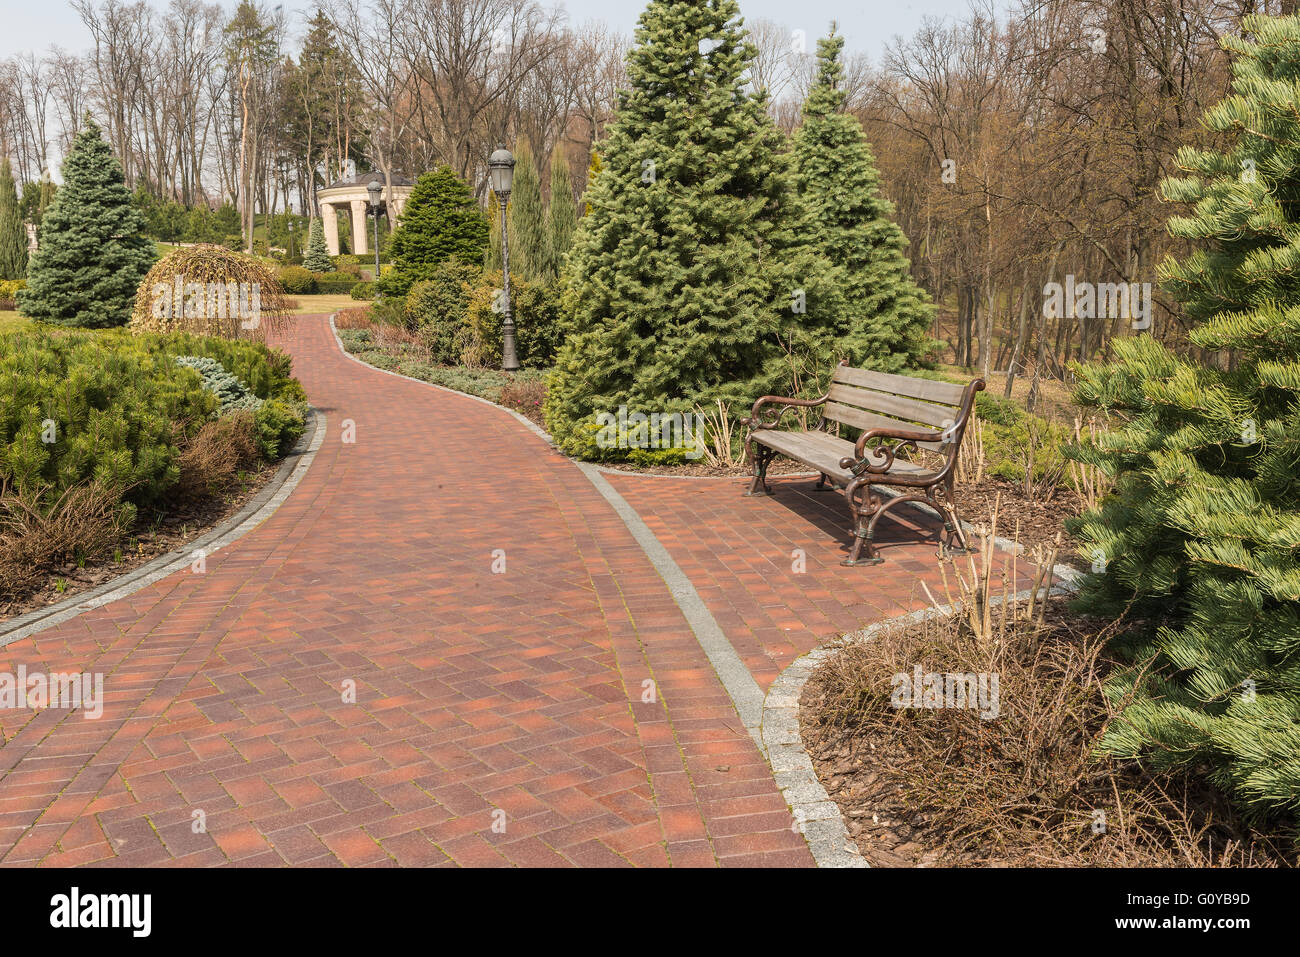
(872,400)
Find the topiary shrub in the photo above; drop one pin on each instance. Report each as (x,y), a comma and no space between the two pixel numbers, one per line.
(297,281)
(336,283)
(93,249)
(212,291)
(441,220)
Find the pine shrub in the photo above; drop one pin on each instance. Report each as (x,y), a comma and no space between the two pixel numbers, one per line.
(1200,544)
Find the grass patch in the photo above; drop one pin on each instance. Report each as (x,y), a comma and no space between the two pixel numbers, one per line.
(326,302)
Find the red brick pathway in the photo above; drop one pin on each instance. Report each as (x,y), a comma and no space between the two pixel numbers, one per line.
(476,693)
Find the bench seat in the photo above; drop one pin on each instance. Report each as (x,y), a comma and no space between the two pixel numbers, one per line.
(823,452)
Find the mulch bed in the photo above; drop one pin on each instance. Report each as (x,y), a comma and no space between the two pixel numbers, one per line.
(1038,522)
(950,790)
(156,533)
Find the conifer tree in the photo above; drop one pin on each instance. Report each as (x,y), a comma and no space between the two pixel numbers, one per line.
(685,283)
(528,248)
(851,224)
(93,252)
(13,234)
(441,220)
(562,215)
(1200,544)
(317,256)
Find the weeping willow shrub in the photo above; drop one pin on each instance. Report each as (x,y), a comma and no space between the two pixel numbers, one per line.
(211,291)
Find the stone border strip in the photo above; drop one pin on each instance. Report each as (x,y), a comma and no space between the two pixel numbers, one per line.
(740,685)
(254,512)
(819,816)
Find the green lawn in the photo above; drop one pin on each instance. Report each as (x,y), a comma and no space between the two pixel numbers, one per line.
(325,303)
(10,320)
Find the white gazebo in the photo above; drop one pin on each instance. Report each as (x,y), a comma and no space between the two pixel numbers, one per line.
(350,194)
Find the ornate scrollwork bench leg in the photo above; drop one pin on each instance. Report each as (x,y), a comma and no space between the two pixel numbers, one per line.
(759,456)
(865,507)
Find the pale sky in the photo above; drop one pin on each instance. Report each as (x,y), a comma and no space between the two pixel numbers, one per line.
(867,25)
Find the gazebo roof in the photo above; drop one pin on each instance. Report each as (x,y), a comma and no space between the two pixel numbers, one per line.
(365,178)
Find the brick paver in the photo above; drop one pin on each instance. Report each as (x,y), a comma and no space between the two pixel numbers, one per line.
(498,718)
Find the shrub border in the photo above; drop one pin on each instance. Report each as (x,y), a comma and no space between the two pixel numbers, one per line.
(255,511)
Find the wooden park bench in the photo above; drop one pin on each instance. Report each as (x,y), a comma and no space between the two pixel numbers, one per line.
(894,413)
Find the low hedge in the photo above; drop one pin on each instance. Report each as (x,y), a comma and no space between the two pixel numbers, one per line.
(336,286)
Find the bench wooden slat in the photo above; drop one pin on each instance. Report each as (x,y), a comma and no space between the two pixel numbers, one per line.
(947,393)
(862,419)
(823,452)
(914,410)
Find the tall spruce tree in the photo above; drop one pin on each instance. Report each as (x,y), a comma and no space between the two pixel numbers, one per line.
(851,224)
(13,234)
(1200,544)
(561,216)
(93,252)
(685,283)
(317,256)
(528,249)
(441,220)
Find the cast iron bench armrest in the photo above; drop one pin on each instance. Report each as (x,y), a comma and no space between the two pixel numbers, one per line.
(753,422)
(858,463)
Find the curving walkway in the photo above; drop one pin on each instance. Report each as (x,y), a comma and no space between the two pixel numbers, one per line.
(557,711)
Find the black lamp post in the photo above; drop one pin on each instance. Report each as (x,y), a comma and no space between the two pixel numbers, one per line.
(501,167)
(376,192)
(292,227)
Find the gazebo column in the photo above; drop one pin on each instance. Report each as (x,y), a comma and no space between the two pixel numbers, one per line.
(359,246)
(329,216)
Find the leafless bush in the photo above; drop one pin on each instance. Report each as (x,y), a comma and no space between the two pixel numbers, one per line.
(718,436)
(210,461)
(84,521)
(1090,483)
(357,318)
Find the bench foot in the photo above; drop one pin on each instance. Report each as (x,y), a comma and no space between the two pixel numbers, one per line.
(854,562)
